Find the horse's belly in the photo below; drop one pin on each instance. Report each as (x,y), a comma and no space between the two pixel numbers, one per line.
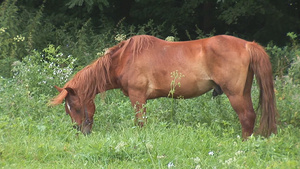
(194,89)
(188,86)
(186,89)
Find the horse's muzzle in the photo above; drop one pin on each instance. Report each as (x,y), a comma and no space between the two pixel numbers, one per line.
(86,130)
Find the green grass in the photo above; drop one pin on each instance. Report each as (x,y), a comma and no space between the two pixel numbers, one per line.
(204,133)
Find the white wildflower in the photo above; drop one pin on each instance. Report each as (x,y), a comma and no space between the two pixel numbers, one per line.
(19,38)
(197,160)
(120,146)
(239,153)
(170,38)
(149,146)
(120,37)
(198,167)
(230,160)
(171,165)
(2,29)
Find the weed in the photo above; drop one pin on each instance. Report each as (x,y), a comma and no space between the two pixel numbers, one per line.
(174,83)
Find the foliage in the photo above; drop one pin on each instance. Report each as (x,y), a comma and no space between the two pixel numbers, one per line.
(6,66)
(175,83)
(261,19)
(283,57)
(205,134)
(29,25)
(252,20)
(89,3)
(294,70)
(20,30)
(288,97)
(40,71)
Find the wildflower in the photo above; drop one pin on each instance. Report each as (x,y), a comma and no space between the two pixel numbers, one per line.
(99,54)
(16,63)
(19,38)
(197,160)
(149,146)
(2,29)
(170,165)
(170,38)
(239,153)
(211,153)
(120,146)
(230,160)
(162,156)
(198,167)
(120,37)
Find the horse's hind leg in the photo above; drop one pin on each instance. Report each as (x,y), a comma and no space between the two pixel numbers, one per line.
(240,98)
(242,105)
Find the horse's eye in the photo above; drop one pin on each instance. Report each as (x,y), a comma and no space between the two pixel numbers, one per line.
(78,111)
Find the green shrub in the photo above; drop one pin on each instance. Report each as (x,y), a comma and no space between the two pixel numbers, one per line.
(282,57)
(6,66)
(288,94)
(40,71)
(294,70)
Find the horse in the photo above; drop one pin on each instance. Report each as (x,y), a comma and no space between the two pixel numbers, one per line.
(141,65)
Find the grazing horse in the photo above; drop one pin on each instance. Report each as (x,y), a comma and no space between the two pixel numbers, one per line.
(141,67)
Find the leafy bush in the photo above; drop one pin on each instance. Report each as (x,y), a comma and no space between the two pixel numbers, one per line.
(40,71)
(294,70)
(288,94)
(282,57)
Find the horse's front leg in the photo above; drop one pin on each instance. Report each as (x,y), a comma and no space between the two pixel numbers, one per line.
(140,116)
(138,103)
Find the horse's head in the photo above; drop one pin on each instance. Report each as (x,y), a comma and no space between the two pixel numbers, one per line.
(80,111)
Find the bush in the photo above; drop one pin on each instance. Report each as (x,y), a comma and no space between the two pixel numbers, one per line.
(282,57)
(294,71)
(40,71)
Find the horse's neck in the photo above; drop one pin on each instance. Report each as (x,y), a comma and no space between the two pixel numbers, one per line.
(112,84)
(108,84)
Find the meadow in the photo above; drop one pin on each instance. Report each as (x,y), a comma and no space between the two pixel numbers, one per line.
(185,133)
(38,51)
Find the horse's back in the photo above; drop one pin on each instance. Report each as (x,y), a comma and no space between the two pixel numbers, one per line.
(204,63)
(154,65)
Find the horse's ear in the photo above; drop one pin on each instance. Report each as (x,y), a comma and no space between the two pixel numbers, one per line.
(70,90)
(59,98)
(58,89)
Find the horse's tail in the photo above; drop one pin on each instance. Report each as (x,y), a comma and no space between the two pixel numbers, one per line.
(262,68)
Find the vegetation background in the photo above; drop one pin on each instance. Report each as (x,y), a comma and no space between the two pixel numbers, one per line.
(43,43)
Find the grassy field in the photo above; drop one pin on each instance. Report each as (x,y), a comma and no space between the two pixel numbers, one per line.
(202,133)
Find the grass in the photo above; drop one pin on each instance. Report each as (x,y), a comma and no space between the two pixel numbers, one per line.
(204,133)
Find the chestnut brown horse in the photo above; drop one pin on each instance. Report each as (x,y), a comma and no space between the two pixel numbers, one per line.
(141,67)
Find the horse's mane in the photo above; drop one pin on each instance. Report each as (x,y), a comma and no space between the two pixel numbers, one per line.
(92,79)
(140,43)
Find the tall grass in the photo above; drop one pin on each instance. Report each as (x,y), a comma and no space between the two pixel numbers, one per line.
(205,133)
